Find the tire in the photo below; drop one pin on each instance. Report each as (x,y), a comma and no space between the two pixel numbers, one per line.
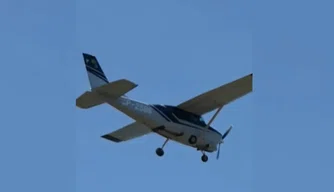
(159,152)
(205,158)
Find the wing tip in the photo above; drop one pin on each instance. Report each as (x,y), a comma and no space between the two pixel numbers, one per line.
(111,138)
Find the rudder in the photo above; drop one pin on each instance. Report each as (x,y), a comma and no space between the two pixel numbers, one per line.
(95,73)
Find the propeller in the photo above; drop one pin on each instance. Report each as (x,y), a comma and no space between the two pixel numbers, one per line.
(222,140)
(218,150)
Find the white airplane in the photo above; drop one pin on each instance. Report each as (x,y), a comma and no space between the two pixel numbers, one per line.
(182,123)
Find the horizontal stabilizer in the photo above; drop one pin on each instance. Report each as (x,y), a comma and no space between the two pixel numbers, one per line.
(101,94)
(128,132)
(116,88)
(88,100)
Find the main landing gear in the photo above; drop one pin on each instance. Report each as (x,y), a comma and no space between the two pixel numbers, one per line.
(160,151)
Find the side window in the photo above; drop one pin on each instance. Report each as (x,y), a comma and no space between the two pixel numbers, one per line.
(178,114)
(187,116)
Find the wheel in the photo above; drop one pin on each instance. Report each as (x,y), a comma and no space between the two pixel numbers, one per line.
(159,152)
(205,158)
(192,140)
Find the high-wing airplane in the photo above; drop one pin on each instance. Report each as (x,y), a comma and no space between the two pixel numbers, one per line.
(182,123)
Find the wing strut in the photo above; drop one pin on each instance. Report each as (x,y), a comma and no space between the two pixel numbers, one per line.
(214,116)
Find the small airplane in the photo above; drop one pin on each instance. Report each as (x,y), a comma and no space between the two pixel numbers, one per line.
(182,123)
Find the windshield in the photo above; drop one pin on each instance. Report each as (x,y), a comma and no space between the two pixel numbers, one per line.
(202,120)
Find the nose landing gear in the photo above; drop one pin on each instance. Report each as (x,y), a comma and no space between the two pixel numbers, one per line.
(204,157)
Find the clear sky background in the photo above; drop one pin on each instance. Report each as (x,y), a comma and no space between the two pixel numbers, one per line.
(282,136)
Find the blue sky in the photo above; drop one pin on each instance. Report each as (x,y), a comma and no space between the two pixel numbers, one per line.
(282,136)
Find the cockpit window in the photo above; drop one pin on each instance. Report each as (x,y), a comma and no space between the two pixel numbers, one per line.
(202,120)
(171,111)
(189,116)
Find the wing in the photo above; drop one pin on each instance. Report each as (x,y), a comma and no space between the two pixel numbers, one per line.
(128,132)
(220,96)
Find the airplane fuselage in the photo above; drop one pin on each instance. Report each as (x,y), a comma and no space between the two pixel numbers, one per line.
(166,123)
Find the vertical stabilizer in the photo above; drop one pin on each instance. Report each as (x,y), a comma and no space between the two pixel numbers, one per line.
(95,73)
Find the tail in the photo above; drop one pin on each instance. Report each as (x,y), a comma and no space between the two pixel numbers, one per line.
(101,88)
(95,73)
